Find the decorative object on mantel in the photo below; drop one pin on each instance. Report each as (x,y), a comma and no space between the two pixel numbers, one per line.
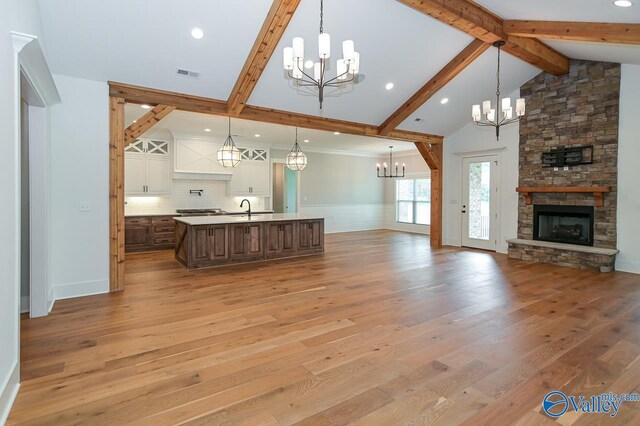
(568,156)
(347,68)
(491,116)
(296,159)
(229,154)
(391,174)
(597,191)
(197,192)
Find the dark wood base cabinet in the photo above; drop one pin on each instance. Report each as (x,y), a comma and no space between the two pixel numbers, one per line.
(148,233)
(203,246)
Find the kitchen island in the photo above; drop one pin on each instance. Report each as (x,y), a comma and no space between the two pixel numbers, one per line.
(206,241)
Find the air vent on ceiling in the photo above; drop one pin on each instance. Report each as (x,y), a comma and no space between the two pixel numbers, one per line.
(188,73)
(418,119)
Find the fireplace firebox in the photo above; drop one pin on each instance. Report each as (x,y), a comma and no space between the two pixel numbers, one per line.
(563,224)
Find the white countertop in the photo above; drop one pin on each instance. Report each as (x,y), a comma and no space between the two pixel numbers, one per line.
(217,220)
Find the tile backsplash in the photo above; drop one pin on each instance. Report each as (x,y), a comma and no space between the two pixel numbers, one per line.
(214,195)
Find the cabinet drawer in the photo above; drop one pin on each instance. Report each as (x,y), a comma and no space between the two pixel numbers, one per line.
(163,239)
(137,220)
(162,220)
(159,229)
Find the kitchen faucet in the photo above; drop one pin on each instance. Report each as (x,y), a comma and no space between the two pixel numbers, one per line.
(248,202)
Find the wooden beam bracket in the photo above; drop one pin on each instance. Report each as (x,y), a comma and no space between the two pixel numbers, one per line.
(146,122)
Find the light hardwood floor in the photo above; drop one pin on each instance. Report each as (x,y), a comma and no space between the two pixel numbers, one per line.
(379,330)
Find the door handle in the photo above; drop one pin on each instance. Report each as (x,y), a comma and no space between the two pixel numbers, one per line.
(464,209)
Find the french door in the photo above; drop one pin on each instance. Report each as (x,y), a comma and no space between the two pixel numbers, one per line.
(480,201)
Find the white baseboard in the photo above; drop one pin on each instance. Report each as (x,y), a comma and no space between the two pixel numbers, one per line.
(628,266)
(24,304)
(52,299)
(451,242)
(9,393)
(406,227)
(88,288)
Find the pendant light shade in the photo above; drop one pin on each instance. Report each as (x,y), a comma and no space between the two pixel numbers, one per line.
(296,159)
(229,154)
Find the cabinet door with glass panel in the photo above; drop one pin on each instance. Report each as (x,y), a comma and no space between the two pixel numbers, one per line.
(413,201)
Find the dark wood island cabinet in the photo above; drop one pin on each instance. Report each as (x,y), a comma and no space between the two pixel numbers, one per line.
(202,242)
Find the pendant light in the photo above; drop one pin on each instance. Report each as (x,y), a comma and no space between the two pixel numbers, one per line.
(502,114)
(296,159)
(347,68)
(229,154)
(391,174)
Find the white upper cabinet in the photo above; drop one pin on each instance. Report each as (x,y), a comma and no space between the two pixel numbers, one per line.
(147,167)
(251,176)
(197,156)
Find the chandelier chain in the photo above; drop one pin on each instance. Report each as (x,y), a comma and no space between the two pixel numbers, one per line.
(498,75)
(321,16)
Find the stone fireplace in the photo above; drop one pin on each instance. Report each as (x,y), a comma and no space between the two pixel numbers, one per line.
(561,224)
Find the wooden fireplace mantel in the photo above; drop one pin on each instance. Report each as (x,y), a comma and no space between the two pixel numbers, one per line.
(597,191)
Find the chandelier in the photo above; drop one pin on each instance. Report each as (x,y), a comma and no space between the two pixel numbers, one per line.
(296,159)
(346,68)
(489,116)
(391,173)
(229,154)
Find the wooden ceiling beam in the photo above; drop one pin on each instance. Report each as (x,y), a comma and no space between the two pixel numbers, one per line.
(444,76)
(272,30)
(479,23)
(428,155)
(146,122)
(183,102)
(597,32)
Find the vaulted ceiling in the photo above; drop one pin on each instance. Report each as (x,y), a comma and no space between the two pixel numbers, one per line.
(144,42)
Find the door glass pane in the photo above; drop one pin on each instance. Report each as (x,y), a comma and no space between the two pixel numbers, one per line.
(423,213)
(405,211)
(479,193)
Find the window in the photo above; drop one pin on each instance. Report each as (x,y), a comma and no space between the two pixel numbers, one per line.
(413,201)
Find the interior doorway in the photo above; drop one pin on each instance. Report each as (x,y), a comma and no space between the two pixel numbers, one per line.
(284,188)
(480,201)
(36,297)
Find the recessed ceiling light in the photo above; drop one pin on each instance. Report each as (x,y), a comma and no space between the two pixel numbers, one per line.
(444,101)
(336,133)
(623,3)
(207,130)
(257,135)
(388,86)
(135,121)
(197,33)
(308,64)
(306,141)
(145,106)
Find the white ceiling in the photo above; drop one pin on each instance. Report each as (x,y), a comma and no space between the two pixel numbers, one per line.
(187,124)
(563,10)
(142,42)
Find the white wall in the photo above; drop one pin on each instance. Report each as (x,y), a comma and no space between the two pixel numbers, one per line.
(343,189)
(628,173)
(80,173)
(416,167)
(471,138)
(22,16)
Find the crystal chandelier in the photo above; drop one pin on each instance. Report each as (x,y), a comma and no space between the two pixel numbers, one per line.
(346,69)
(391,173)
(489,116)
(229,154)
(296,159)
